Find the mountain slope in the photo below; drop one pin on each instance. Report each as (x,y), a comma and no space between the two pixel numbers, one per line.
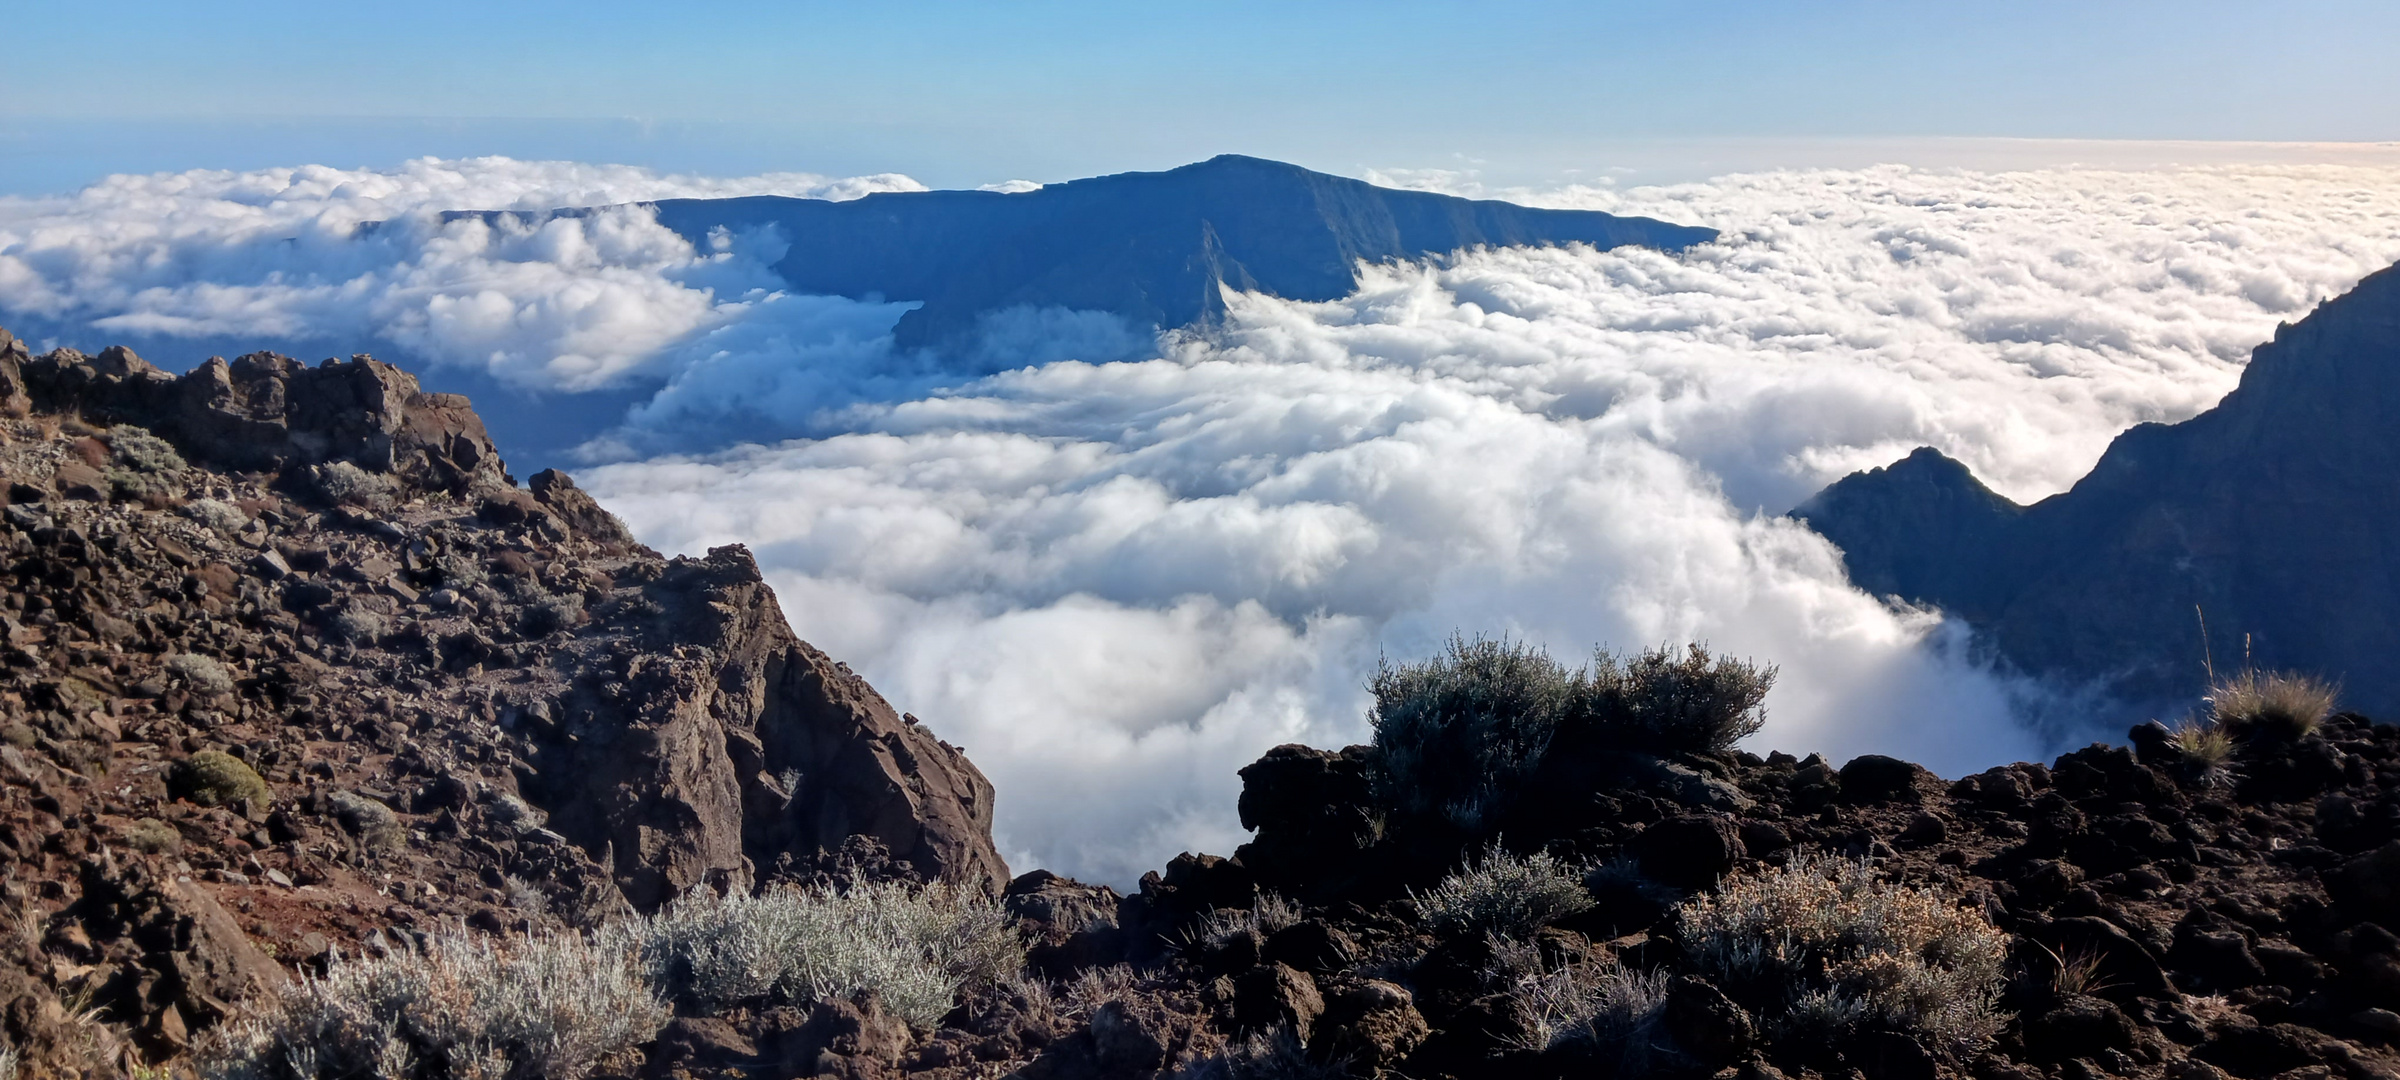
(287,660)
(2273,512)
(1149,247)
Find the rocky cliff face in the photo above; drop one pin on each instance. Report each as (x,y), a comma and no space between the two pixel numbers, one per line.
(2273,512)
(289,659)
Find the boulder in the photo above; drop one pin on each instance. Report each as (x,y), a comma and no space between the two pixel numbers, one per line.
(1874,778)
(1370,1023)
(1708,1026)
(1689,851)
(1274,995)
(2369,883)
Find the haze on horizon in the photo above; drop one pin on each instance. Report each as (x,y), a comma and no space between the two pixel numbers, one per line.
(956,95)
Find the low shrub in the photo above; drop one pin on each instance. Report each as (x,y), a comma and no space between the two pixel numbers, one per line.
(460,1007)
(151,836)
(143,452)
(204,676)
(1819,948)
(551,614)
(916,948)
(214,778)
(1502,894)
(1658,700)
(2257,704)
(216,514)
(1456,733)
(358,627)
(377,826)
(345,483)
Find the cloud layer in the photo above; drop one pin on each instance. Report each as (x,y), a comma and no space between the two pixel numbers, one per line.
(1115,583)
(279,257)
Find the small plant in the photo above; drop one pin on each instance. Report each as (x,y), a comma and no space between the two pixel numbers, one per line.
(522,896)
(1600,1002)
(2255,705)
(2075,972)
(1819,947)
(344,483)
(376,825)
(1455,733)
(215,778)
(1658,700)
(151,836)
(916,948)
(551,614)
(1264,916)
(547,1007)
(203,675)
(358,627)
(216,514)
(2206,750)
(1508,895)
(142,452)
(515,814)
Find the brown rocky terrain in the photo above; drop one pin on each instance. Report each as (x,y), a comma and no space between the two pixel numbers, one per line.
(291,661)
(2216,924)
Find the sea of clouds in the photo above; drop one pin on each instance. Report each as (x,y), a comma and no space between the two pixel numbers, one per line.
(1117,582)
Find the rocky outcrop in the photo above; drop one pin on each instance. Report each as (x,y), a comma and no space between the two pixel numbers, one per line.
(2215,923)
(289,664)
(2271,512)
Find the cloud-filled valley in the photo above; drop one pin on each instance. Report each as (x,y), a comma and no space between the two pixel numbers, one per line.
(1116,582)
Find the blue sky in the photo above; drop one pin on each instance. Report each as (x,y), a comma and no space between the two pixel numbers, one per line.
(959,93)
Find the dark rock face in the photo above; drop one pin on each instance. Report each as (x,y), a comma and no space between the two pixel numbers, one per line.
(2272,512)
(1153,248)
(426,697)
(1689,851)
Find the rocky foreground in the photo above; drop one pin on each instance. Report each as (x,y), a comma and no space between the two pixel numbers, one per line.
(294,671)
(291,662)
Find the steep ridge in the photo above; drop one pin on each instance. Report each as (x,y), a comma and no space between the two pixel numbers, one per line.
(290,661)
(1152,248)
(2273,513)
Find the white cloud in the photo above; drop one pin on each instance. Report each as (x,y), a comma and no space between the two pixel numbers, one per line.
(1116,583)
(277,256)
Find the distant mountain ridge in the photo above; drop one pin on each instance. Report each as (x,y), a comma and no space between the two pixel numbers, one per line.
(2277,513)
(1151,248)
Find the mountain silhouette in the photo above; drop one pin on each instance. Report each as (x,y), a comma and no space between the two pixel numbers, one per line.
(2275,513)
(1151,248)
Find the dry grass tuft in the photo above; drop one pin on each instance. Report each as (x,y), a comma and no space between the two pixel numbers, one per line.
(2206,748)
(1601,1003)
(2075,972)
(1821,947)
(2257,704)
